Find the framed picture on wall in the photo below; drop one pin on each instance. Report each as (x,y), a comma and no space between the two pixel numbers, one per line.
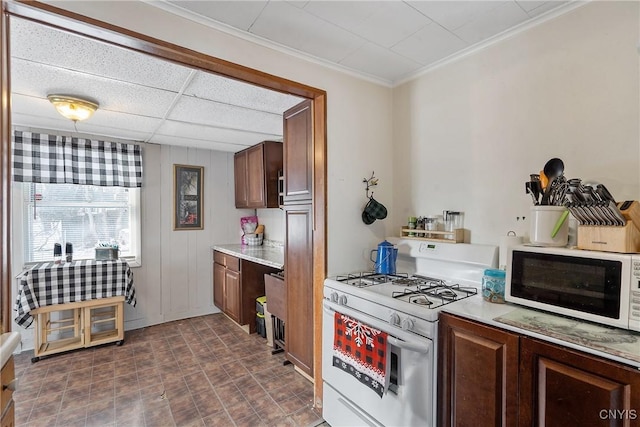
(187,197)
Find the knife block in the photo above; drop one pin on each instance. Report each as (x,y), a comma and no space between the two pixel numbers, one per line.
(623,239)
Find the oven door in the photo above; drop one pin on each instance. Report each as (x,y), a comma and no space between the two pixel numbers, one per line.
(409,398)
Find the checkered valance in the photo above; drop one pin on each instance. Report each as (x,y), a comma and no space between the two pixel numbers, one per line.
(63,159)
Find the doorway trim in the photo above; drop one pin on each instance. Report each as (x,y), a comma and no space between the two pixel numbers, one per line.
(122,37)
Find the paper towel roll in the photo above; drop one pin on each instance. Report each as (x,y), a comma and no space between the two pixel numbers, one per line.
(505,243)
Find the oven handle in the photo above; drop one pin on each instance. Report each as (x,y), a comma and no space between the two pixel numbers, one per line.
(395,336)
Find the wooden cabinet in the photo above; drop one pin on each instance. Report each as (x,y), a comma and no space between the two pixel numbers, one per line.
(299,284)
(559,386)
(298,207)
(298,153)
(236,285)
(478,373)
(7,379)
(491,377)
(256,175)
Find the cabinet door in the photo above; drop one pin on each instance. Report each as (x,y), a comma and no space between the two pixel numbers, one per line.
(240,179)
(255,177)
(232,295)
(478,381)
(560,387)
(298,153)
(218,285)
(299,284)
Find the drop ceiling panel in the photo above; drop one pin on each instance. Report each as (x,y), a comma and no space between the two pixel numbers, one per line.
(384,63)
(38,111)
(239,138)
(181,141)
(45,45)
(345,14)
(535,8)
(454,14)
(216,88)
(288,25)
(430,44)
(239,14)
(383,23)
(198,111)
(41,80)
(493,22)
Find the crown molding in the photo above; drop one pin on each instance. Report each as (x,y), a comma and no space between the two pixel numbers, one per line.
(244,35)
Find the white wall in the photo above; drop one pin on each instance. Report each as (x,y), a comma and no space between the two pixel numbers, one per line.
(175,278)
(462,137)
(359,133)
(469,134)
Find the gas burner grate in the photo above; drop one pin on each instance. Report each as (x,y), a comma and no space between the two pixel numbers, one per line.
(364,279)
(435,289)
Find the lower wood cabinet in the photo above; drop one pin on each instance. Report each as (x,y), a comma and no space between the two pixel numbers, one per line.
(491,377)
(236,285)
(7,378)
(478,374)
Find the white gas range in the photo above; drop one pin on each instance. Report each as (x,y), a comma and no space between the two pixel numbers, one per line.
(405,307)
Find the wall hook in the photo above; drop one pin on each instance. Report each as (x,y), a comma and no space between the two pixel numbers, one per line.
(371,182)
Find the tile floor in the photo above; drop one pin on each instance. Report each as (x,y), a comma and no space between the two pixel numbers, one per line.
(203,371)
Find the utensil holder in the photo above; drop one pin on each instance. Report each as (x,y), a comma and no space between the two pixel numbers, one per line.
(543,220)
(622,239)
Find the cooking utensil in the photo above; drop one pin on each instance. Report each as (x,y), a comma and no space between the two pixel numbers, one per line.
(529,189)
(544,181)
(554,168)
(559,223)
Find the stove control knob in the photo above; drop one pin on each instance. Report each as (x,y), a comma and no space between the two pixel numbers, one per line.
(342,300)
(334,297)
(408,324)
(394,319)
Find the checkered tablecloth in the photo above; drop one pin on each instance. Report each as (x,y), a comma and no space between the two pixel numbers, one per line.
(49,284)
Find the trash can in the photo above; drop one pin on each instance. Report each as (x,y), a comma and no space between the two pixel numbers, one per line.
(261,327)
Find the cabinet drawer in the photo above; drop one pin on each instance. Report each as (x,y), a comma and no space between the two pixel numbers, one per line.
(276,296)
(230,262)
(6,377)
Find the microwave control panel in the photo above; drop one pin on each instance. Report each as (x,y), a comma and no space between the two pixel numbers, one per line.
(634,298)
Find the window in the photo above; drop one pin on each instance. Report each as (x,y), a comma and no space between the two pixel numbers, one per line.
(82,215)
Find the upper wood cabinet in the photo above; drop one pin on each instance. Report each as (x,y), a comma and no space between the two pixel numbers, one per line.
(256,175)
(298,153)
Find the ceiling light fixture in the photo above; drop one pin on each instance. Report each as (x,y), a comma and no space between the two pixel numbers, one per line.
(73,108)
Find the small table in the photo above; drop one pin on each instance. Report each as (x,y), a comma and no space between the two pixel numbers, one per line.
(93,292)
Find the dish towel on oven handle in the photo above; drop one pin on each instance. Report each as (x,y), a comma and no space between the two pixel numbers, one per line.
(361,351)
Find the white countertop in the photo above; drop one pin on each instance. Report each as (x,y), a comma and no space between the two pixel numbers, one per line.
(586,336)
(271,256)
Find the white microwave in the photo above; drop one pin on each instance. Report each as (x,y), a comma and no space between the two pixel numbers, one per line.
(601,287)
